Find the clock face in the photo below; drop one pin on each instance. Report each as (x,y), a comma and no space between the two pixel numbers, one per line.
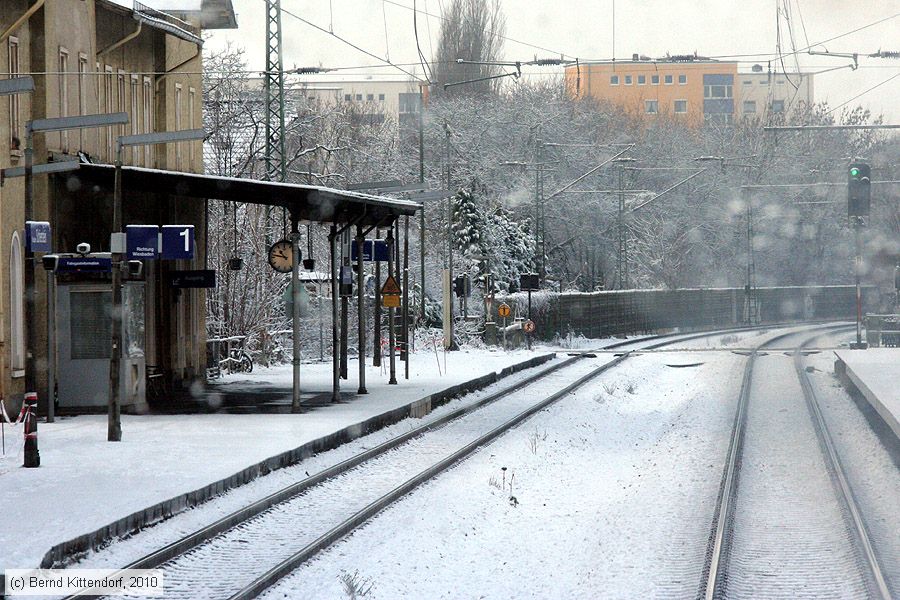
(281,256)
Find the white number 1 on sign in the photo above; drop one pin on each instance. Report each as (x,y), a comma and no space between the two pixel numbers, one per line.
(187,242)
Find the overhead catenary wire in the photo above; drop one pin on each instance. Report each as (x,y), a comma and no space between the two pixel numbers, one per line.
(877,85)
(504,37)
(349,43)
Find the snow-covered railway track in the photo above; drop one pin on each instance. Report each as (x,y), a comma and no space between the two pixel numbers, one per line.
(787,524)
(248,550)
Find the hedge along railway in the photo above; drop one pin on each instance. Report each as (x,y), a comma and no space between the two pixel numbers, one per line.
(626,312)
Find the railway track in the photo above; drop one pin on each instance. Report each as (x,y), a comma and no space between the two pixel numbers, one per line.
(269,538)
(787,523)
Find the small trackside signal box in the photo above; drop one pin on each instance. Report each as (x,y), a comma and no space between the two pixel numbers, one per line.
(859,192)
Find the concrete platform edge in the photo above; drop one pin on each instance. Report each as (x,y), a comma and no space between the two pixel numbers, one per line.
(857,385)
(128,525)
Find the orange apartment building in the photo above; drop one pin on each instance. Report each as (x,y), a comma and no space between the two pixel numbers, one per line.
(690,88)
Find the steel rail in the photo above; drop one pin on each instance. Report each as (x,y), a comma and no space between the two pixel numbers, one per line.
(200,536)
(839,478)
(719,540)
(285,567)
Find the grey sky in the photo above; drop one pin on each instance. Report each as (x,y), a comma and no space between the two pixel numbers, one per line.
(584,29)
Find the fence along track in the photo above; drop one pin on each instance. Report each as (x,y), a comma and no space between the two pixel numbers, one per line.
(720,537)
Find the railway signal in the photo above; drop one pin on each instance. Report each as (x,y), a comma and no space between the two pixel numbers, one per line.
(859,194)
(859,190)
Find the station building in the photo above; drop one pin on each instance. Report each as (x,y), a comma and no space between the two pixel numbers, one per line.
(89,57)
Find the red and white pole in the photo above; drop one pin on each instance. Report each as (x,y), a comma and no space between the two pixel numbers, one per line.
(32,455)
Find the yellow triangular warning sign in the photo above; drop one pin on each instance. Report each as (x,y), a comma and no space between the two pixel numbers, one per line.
(390,287)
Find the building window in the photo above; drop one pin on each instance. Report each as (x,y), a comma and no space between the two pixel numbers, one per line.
(135,117)
(192,124)
(381,97)
(651,107)
(16,305)
(108,107)
(347,97)
(121,101)
(654,79)
(359,97)
(370,97)
(720,119)
(668,80)
(682,79)
(63,77)
(409,103)
(680,107)
(82,92)
(749,107)
(750,82)
(642,79)
(777,106)
(628,80)
(717,91)
(14,115)
(178,122)
(614,80)
(148,119)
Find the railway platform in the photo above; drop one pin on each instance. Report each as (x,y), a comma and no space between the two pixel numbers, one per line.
(873,374)
(88,491)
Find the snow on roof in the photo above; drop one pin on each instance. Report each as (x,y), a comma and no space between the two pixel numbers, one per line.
(163,4)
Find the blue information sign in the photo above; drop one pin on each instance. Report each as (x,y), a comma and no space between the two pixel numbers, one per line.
(83,264)
(381,250)
(37,236)
(141,241)
(177,242)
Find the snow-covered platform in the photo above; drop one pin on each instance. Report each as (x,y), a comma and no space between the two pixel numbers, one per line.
(88,490)
(874,374)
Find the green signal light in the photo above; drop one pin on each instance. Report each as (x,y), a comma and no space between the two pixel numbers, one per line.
(854,172)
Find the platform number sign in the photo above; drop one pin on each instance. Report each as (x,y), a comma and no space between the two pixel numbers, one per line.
(177,242)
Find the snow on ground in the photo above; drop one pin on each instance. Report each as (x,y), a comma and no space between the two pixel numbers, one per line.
(85,482)
(876,369)
(871,469)
(614,494)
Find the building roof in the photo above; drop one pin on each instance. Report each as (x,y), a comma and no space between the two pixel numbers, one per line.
(207,14)
(154,18)
(305,202)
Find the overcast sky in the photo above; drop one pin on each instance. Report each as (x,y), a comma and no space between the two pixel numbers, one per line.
(584,29)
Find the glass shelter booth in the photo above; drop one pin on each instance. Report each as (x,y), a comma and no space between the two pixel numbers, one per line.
(81,345)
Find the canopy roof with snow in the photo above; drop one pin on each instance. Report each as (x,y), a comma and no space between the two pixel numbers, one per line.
(304,202)
(208,14)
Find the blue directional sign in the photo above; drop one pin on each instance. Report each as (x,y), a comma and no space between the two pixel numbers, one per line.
(380,250)
(83,264)
(141,241)
(37,236)
(177,242)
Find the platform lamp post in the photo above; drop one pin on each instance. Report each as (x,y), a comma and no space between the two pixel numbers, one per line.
(117,248)
(45,126)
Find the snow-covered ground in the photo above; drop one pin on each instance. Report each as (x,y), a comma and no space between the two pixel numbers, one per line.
(875,373)
(614,494)
(85,482)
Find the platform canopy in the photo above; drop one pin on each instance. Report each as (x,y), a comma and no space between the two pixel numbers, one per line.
(303,202)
